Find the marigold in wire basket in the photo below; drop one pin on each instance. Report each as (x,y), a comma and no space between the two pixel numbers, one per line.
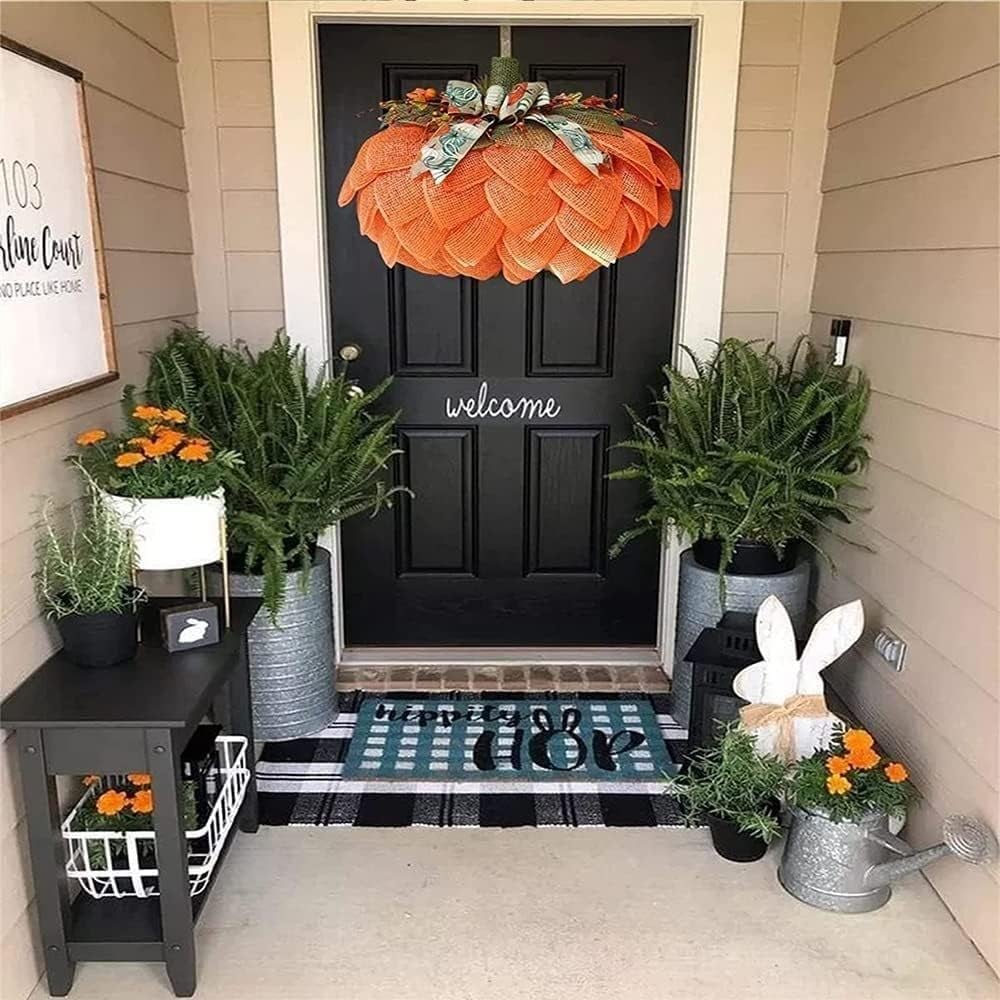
(111,802)
(142,801)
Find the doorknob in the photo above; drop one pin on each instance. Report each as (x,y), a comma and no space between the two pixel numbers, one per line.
(350,352)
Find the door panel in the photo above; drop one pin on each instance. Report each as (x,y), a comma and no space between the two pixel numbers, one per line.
(509,396)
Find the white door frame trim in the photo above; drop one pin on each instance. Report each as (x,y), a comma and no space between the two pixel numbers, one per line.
(703,218)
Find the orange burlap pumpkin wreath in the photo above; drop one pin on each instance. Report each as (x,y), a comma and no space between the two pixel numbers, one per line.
(503,178)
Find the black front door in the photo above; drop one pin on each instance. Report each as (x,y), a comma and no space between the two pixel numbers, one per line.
(505,541)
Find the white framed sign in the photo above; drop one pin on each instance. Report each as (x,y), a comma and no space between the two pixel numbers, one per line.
(56,336)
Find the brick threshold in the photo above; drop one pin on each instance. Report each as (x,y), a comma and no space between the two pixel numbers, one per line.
(585,677)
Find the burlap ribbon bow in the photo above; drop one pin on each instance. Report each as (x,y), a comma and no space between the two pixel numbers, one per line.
(523,102)
(803,706)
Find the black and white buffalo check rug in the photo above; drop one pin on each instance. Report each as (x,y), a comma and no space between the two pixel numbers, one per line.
(418,758)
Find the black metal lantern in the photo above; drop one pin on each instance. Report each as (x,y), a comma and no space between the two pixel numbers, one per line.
(716,657)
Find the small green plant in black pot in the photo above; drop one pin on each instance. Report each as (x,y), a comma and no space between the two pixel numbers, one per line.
(84,581)
(735,791)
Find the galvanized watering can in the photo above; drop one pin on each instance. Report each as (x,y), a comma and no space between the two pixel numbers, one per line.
(847,867)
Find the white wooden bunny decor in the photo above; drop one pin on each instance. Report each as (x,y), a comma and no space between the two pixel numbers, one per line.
(787,709)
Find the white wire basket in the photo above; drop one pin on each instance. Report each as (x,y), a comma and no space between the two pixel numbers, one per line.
(119,864)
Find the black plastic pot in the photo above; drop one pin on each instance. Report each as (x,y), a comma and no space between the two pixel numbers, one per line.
(99,640)
(731,843)
(750,557)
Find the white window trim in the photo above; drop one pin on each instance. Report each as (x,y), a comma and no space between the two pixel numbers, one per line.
(703,218)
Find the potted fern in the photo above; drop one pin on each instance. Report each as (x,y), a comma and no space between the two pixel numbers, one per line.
(735,791)
(747,458)
(84,581)
(312,452)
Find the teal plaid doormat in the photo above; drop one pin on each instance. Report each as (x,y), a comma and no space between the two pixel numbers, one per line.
(535,738)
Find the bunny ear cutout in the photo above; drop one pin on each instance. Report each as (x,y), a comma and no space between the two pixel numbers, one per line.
(775,635)
(832,636)
(748,684)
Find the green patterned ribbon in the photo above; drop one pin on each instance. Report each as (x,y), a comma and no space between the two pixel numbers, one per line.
(524,102)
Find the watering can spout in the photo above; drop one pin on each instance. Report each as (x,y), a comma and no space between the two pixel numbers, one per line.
(965,838)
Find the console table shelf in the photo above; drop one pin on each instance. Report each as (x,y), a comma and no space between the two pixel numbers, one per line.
(135,716)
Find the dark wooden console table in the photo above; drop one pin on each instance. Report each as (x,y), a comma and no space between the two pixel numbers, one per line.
(133,717)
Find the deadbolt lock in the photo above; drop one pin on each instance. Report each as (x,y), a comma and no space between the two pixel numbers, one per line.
(350,352)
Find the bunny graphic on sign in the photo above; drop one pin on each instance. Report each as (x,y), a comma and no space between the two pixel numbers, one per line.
(787,710)
(194,630)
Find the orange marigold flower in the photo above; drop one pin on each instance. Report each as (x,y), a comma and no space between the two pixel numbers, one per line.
(837,784)
(111,802)
(858,739)
(864,759)
(147,413)
(201,441)
(90,779)
(140,780)
(896,773)
(194,453)
(91,437)
(142,801)
(140,442)
(129,458)
(169,434)
(158,447)
(174,416)
(838,765)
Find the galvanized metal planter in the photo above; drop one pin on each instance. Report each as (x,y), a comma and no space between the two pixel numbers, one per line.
(292,669)
(847,867)
(698,608)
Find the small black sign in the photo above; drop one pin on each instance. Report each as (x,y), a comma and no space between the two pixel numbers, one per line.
(188,626)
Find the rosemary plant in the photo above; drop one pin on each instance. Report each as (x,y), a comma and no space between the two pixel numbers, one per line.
(87,568)
(733,782)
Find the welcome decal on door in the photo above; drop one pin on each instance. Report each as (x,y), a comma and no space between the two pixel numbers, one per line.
(484,405)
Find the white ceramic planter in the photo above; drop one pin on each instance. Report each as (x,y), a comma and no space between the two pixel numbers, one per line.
(174,533)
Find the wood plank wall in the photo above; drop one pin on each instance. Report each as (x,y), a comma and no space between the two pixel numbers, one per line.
(229,140)
(908,250)
(127,54)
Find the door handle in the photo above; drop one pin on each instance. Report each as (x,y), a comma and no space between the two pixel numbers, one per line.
(349,352)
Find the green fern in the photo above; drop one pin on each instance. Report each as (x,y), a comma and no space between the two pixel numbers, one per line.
(313,450)
(750,446)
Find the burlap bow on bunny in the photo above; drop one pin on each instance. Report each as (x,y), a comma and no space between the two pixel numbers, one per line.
(800,706)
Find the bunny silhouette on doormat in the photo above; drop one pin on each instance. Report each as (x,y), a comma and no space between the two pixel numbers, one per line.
(787,710)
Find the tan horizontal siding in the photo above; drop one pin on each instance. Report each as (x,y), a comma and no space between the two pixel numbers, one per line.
(953,290)
(142,216)
(126,140)
(953,456)
(909,212)
(907,250)
(950,372)
(949,42)
(896,140)
(126,53)
(861,24)
(151,21)
(112,58)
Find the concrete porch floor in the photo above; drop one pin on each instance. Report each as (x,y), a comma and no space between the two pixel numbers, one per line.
(596,914)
